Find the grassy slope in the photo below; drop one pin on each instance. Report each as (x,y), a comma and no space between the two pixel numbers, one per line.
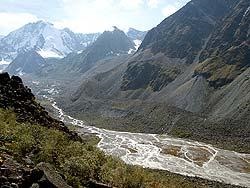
(80,162)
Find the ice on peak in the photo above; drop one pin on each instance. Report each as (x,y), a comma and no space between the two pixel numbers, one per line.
(131,51)
(137,43)
(49,54)
(132,29)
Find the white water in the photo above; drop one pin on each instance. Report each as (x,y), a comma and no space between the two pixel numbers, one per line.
(163,152)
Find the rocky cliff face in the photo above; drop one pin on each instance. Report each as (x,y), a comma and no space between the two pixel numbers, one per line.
(180,37)
(228,51)
(182,34)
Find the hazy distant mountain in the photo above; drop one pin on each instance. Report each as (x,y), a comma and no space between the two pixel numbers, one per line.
(136,36)
(112,43)
(26,62)
(44,38)
(51,42)
(109,44)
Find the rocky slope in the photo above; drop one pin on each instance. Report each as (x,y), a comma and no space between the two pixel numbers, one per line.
(195,61)
(110,43)
(228,51)
(182,34)
(185,81)
(27,63)
(178,37)
(16,172)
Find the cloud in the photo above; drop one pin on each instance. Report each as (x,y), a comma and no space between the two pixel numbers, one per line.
(131,4)
(153,3)
(169,10)
(10,21)
(87,15)
(98,15)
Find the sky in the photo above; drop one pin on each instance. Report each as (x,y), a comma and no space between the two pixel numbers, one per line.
(87,16)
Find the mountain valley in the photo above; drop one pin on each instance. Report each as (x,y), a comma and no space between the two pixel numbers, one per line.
(175,98)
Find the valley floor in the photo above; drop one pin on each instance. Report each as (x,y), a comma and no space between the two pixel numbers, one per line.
(180,156)
(145,122)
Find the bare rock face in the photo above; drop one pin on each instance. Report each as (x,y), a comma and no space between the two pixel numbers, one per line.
(180,36)
(228,51)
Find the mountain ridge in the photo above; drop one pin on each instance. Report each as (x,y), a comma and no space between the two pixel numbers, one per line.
(109,44)
(44,38)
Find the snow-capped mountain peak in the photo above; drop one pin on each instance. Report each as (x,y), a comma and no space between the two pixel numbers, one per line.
(43,37)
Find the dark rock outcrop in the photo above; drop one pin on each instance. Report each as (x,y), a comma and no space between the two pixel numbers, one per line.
(14,95)
(44,175)
(16,175)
